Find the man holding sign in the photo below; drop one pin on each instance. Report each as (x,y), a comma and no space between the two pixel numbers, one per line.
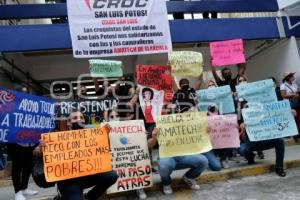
(88,174)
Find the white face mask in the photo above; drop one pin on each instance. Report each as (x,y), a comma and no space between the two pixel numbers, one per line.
(212,86)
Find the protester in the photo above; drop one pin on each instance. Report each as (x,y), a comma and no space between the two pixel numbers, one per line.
(185,97)
(72,189)
(22,163)
(289,89)
(247,147)
(227,76)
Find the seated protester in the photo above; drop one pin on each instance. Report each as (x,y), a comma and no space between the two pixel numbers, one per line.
(185,97)
(289,90)
(213,163)
(72,189)
(247,147)
(113,116)
(227,76)
(243,80)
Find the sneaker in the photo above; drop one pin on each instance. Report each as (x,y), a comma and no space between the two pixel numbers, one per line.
(29,192)
(167,189)
(261,155)
(192,183)
(19,196)
(225,164)
(141,194)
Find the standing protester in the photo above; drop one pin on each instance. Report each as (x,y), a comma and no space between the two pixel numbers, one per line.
(22,163)
(289,89)
(227,76)
(72,189)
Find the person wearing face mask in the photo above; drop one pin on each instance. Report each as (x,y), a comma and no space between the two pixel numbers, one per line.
(227,76)
(72,189)
(185,97)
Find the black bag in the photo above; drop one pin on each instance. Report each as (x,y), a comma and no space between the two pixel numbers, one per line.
(39,175)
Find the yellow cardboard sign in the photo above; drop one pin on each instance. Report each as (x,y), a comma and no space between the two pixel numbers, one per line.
(186,63)
(72,154)
(183,134)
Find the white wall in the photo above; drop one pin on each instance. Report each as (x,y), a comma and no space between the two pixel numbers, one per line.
(274,61)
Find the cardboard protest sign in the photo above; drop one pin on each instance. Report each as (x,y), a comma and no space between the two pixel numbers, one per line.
(77,153)
(257,92)
(130,154)
(186,63)
(23,117)
(219,97)
(157,77)
(118,28)
(105,68)
(183,134)
(151,102)
(224,132)
(227,52)
(270,121)
(92,110)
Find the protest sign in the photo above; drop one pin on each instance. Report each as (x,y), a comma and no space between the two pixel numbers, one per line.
(257,92)
(151,102)
(219,97)
(270,121)
(77,153)
(227,52)
(92,110)
(157,77)
(118,28)
(183,134)
(105,68)
(224,132)
(186,63)
(23,117)
(130,154)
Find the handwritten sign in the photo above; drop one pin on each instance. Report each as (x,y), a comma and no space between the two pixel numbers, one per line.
(219,97)
(157,77)
(105,68)
(224,131)
(227,52)
(73,154)
(272,120)
(24,117)
(186,63)
(183,134)
(130,154)
(257,92)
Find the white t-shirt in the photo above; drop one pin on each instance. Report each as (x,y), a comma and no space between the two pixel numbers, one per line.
(289,88)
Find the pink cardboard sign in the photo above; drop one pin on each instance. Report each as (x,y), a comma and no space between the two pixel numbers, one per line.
(227,52)
(224,131)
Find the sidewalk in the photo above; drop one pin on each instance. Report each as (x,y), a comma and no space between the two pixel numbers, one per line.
(242,169)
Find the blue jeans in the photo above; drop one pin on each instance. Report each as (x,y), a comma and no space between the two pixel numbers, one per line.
(73,189)
(248,147)
(197,164)
(213,163)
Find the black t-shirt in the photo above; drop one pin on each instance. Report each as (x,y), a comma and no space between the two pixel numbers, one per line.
(184,99)
(231,83)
